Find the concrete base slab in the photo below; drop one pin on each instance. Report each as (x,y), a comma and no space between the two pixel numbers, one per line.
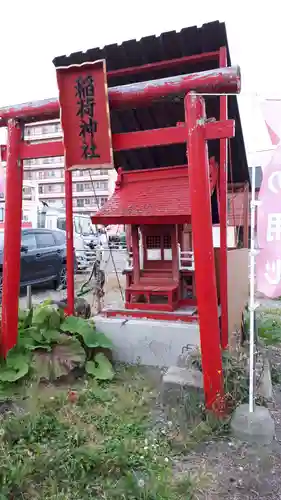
(148,342)
(178,382)
(257,427)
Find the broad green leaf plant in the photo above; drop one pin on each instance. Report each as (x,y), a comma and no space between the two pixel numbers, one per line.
(51,345)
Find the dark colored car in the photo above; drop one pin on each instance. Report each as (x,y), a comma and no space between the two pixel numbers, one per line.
(117,240)
(43,257)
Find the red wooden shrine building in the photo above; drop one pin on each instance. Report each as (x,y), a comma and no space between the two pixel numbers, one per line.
(171,121)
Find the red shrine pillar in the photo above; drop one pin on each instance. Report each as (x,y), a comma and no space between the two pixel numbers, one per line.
(12,239)
(205,277)
(136,254)
(69,241)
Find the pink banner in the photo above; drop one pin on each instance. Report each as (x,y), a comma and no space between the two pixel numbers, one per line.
(271,110)
(268,261)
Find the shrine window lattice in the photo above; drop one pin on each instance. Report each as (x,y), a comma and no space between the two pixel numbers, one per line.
(167,241)
(153,242)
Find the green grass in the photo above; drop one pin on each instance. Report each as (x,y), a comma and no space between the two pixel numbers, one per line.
(100,447)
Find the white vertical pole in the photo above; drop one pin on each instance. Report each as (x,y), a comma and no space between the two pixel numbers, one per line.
(28,297)
(252,296)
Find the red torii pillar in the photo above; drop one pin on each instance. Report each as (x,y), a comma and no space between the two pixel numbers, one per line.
(12,238)
(204,259)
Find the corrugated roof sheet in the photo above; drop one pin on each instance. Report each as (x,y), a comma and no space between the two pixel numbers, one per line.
(162,195)
(189,41)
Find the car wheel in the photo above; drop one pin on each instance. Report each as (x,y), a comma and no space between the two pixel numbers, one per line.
(61,281)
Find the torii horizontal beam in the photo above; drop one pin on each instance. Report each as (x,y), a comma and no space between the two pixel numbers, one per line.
(129,140)
(215,81)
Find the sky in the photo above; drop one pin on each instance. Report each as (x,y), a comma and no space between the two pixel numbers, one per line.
(34,32)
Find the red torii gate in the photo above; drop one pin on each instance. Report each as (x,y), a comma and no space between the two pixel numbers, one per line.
(195,131)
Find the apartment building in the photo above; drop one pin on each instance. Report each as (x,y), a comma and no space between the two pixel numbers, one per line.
(90,190)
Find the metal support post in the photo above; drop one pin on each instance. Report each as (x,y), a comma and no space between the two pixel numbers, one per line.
(252,304)
(223,214)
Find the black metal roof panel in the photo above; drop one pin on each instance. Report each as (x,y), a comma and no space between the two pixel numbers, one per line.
(170,45)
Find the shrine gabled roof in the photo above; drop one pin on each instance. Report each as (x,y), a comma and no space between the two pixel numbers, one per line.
(170,45)
(157,196)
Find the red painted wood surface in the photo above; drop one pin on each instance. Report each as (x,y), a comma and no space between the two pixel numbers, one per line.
(160,65)
(238,206)
(205,278)
(130,140)
(218,80)
(69,241)
(85,116)
(148,197)
(12,240)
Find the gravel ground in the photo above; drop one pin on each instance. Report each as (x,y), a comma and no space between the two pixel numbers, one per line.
(237,470)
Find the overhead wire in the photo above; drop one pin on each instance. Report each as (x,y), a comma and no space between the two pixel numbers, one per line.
(107,239)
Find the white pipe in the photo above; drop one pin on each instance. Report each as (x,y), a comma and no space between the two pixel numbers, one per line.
(252,296)
(28,297)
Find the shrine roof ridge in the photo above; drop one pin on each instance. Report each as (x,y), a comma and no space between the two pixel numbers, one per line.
(154,173)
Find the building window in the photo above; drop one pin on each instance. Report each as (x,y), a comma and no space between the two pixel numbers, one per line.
(41,174)
(40,189)
(79,187)
(27,175)
(80,202)
(87,186)
(30,161)
(87,201)
(102,201)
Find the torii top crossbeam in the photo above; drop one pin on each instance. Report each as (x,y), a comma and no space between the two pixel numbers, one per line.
(218,81)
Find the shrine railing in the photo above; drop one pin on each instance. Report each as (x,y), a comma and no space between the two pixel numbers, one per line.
(186,260)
